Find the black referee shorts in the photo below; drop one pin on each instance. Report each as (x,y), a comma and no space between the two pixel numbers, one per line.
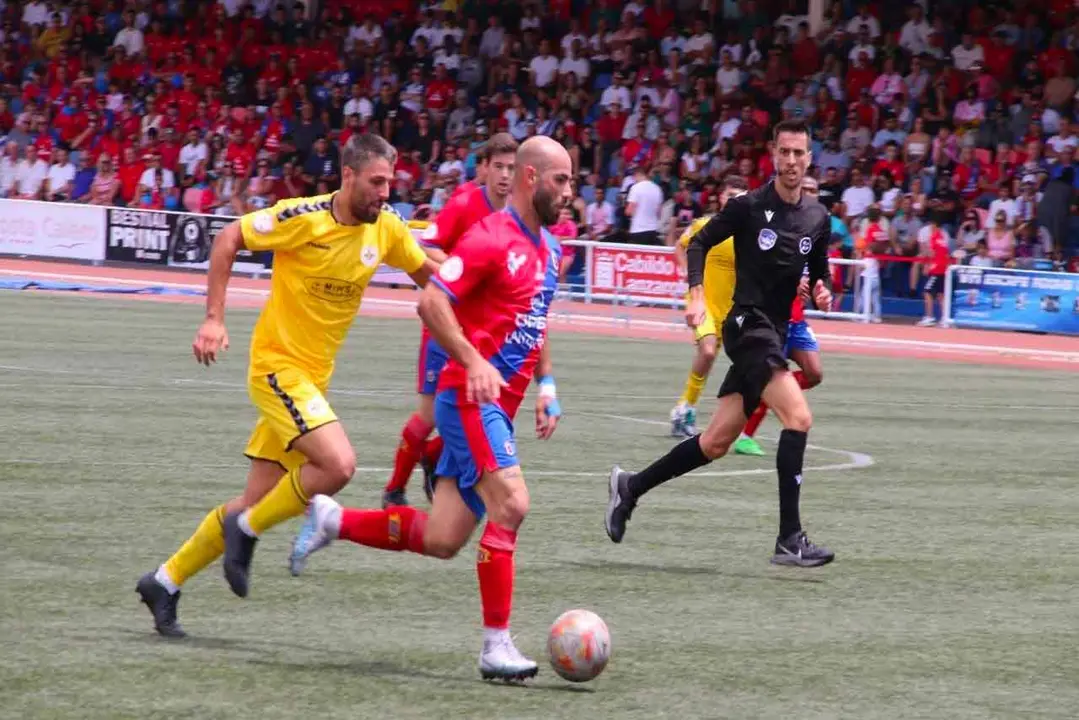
(755,347)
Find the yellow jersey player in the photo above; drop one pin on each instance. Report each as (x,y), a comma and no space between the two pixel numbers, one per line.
(326,250)
(718,297)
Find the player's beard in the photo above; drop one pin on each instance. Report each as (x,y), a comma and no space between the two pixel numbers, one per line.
(363,209)
(548,205)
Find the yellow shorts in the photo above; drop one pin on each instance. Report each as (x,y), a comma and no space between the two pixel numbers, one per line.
(706,328)
(713,316)
(290,405)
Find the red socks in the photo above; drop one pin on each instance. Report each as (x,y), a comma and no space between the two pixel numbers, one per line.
(409,452)
(395,528)
(433,451)
(759,414)
(494,566)
(755,420)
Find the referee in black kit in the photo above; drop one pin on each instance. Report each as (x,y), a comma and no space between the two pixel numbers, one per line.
(776,232)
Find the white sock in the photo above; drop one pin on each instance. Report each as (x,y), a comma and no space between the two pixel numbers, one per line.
(495,635)
(245,524)
(331,523)
(163,579)
(743,436)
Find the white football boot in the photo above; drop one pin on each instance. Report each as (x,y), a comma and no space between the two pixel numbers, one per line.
(321,524)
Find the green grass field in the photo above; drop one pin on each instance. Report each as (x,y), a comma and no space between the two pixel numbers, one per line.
(953,595)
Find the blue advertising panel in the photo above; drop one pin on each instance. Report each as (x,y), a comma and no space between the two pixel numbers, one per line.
(1015,300)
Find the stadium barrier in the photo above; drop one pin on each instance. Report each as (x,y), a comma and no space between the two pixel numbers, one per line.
(1006,299)
(610,273)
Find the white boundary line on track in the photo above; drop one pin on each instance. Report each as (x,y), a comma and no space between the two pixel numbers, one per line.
(608,320)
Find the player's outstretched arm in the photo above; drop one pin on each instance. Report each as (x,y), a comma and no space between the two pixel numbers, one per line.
(485,383)
(212,337)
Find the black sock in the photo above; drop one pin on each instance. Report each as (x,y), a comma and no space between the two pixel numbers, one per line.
(683,457)
(792,450)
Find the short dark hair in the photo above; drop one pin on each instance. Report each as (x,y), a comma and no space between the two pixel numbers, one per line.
(735,182)
(795,126)
(362,149)
(499,144)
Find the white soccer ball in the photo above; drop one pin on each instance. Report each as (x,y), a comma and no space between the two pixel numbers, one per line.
(579,645)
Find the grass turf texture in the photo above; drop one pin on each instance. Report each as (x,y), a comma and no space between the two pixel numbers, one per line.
(952,596)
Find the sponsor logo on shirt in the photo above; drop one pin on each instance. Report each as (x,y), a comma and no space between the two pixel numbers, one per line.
(332,289)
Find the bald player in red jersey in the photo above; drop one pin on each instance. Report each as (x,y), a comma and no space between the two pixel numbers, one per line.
(488,308)
(461,212)
(802,348)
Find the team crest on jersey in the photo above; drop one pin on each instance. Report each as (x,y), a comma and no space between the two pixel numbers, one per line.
(805,245)
(369,255)
(452,269)
(766,239)
(262,222)
(515,261)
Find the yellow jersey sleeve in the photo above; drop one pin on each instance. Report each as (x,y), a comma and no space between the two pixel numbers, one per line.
(693,229)
(401,249)
(279,227)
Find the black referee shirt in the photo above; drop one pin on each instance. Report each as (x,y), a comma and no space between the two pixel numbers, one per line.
(773,242)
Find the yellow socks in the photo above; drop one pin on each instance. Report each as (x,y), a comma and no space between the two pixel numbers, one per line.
(201,549)
(694,387)
(286,500)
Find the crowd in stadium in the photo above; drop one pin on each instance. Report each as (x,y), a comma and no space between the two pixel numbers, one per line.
(961,114)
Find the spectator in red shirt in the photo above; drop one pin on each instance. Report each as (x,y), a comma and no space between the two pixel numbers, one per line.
(439,95)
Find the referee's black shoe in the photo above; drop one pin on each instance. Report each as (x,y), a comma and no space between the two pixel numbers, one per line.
(797,551)
(619,505)
(239,549)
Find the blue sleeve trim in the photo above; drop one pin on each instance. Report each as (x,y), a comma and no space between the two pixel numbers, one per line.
(443,287)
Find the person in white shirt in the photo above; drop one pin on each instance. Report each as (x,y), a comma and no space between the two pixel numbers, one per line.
(61,174)
(1065,139)
(574,35)
(9,169)
(863,46)
(544,67)
(130,37)
(492,38)
(30,175)
(358,104)
(616,92)
(967,53)
(598,217)
(864,20)
(673,40)
(1004,203)
(369,34)
(155,177)
(643,204)
(857,198)
(35,13)
(700,44)
(192,153)
(427,31)
(728,76)
(914,37)
(573,63)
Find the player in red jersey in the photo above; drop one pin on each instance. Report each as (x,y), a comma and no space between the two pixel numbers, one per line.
(483,165)
(937,243)
(802,348)
(488,308)
(461,213)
